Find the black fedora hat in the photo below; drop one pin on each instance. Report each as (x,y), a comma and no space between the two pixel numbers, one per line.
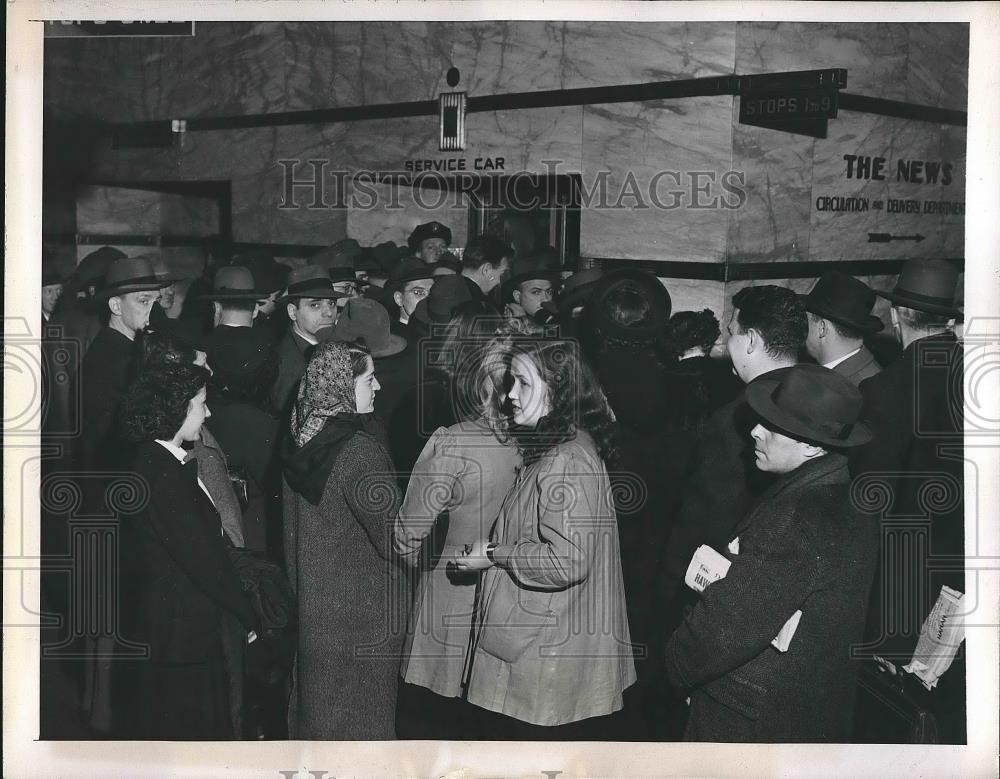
(810,403)
(129,274)
(268,273)
(446,263)
(577,288)
(343,254)
(534,266)
(387,255)
(447,294)
(91,269)
(926,285)
(235,282)
(408,269)
(368,320)
(340,274)
(428,230)
(844,299)
(310,281)
(645,284)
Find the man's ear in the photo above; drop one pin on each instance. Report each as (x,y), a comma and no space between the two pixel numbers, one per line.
(516,296)
(810,451)
(291,311)
(821,327)
(754,341)
(115,304)
(398,297)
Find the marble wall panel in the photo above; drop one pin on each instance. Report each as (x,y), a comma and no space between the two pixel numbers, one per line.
(773,224)
(938,67)
(354,63)
(696,295)
(844,234)
(634,143)
(876,55)
(381,214)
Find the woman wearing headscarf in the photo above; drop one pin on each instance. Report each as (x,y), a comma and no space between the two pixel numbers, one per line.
(340,497)
(454,495)
(551,654)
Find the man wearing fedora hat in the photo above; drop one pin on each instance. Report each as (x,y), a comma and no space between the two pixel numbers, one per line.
(765,654)
(129,290)
(839,311)
(485,262)
(915,408)
(409,283)
(311,304)
(532,286)
(428,241)
(52,287)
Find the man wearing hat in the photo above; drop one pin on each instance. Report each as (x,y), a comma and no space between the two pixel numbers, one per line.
(915,409)
(429,240)
(409,283)
(129,290)
(765,654)
(52,287)
(164,308)
(311,303)
(839,311)
(532,285)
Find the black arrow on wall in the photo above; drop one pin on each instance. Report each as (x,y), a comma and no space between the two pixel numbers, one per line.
(886,237)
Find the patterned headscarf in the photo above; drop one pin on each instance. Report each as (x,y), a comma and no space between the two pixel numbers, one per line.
(327,389)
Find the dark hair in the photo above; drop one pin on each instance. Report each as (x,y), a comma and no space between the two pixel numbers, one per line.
(466,341)
(485,251)
(576,400)
(688,329)
(156,404)
(844,331)
(777,314)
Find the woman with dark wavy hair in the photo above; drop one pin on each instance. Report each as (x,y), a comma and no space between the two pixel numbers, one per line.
(184,593)
(551,653)
(340,498)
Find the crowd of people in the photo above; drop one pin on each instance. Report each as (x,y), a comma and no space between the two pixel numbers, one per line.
(395,492)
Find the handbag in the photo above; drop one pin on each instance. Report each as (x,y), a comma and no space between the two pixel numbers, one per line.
(892,707)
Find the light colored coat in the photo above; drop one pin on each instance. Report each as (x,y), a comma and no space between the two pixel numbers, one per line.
(461,477)
(553,643)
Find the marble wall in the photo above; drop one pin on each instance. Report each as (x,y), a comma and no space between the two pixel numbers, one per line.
(653,172)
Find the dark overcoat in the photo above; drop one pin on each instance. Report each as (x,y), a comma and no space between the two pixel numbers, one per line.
(858,367)
(803,547)
(291,367)
(184,587)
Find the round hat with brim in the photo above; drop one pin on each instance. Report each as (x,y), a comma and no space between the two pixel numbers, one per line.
(810,403)
(387,255)
(538,266)
(926,285)
(342,275)
(407,270)
(365,319)
(161,268)
(310,281)
(91,269)
(649,287)
(844,299)
(447,294)
(343,254)
(235,282)
(268,274)
(129,274)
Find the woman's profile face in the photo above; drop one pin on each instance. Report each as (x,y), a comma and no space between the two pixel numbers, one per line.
(196,415)
(529,395)
(365,387)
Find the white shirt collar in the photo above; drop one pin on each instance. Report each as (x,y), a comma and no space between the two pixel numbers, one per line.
(834,363)
(176,451)
(303,336)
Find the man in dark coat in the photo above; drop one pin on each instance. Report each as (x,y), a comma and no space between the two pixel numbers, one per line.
(804,553)
(839,310)
(410,281)
(310,301)
(130,289)
(914,407)
(485,261)
(766,332)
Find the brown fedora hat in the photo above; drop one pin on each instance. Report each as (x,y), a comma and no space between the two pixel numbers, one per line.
(368,320)
(129,274)
(926,285)
(844,299)
(810,403)
(235,282)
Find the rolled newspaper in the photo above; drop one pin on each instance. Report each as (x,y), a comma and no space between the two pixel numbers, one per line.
(940,638)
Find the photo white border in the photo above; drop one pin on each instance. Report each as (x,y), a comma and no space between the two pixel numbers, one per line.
(25,756)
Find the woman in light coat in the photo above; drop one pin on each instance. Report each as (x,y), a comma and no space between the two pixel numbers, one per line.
(551,653)
(454,496)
